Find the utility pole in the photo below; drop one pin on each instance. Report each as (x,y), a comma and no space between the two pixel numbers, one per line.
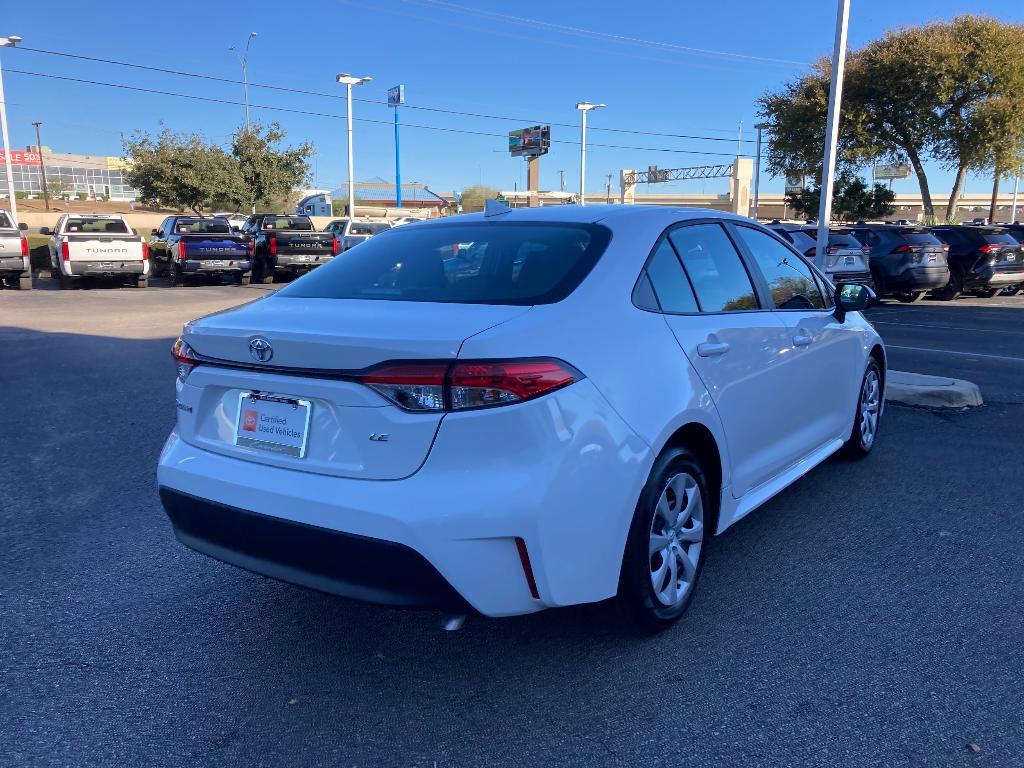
(835,99)
(1016,187)
(8,42)
(584,107)
(243,59)
(757,169)
(561,181)
(739,139)
(42,165)
(995,194)
(396,98)
(608,189)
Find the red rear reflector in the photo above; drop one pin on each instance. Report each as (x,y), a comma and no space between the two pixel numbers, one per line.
(24,246)
(273,245)
(524,558)
(65,252)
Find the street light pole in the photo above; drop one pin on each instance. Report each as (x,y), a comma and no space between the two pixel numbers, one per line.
(1013,207)
(42,165)
(348,81)
(243,59)
(7,42)
(584,107)
(835,98)
(757,169)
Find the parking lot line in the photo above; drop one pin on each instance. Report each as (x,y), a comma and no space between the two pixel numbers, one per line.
(961,354)
(947,327)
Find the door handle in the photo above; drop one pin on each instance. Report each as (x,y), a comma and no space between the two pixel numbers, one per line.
(712,348)
(801,340)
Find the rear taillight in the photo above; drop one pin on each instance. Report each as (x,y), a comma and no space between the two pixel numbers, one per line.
(24,246)
(273,245)
(832,249)
(181,250)
(65,252)
(185,358)
(251,245)
(466,385)
(901,249)
(335,245)
(989,249)
(809,253)
(145,251)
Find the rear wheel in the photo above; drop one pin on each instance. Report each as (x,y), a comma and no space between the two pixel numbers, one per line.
(23,283)
(244,279)
(953,288)
(141,281)
(666,547)
(910,297)
(174,273)
(868,415)
(879,279)
(986,293)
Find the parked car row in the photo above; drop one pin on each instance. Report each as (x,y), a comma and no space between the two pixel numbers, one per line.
(909,262)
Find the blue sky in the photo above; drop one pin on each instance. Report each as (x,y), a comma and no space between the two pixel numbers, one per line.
(463,55)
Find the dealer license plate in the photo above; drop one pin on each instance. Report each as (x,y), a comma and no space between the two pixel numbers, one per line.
(273,423)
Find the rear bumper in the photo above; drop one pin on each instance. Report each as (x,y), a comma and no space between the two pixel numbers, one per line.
(920,278)
(103,268)
(562,473)
(858,278)
(300,263)
(359,567)
(10,265)
(1003,277)
(215,266)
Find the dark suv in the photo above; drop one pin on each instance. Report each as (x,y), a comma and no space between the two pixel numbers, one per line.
(846,259)
(982,260)
(906,261)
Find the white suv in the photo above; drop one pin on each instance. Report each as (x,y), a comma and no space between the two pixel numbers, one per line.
(517,410)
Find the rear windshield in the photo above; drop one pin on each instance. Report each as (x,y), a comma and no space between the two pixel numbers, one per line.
(295,223)
(202,227)
(88,224)
(843,240)
(800,239)
(367,229)
(473,263)
(918,237)
(5,223)
(999,238)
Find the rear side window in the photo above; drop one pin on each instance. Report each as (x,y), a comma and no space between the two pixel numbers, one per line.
(5,223)
(716,273)
(789,279)
(520,263)
(669,281)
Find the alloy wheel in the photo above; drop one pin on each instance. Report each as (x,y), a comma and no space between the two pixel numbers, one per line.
(676,538)
(870,404)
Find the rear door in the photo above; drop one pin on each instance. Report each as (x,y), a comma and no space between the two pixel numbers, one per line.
(736,346)
(823,356)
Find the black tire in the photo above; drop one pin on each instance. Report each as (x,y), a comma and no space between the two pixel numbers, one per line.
(142,281)
(858,445)
(986,293)
(953,288)
(245,279)
(261,274)
(879,280)
(22,283)
(637,598)
(911,297)
(66,283)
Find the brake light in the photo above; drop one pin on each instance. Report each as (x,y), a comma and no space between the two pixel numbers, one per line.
(65,251)
(809,253)
(465,385)
(24,246)
(145,251)
(184,357)
(832,249)
(181,250)
(335,245)
(989,249)
(251,245)
(902,249)
(273,245)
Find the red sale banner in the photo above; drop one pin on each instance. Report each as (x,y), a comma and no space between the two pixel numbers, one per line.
(22,158)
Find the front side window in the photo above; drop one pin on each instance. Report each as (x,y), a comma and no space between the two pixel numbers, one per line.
(789,279)
(522,263)
(715,270)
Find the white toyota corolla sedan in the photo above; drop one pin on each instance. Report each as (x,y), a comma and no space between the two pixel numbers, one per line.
(518,410)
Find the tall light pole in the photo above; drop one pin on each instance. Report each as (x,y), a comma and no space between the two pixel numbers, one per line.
(1013,206)
(835,99)
(348,81)
(42,165)
(584,107)
(757,168)
(243,59)
(7,42)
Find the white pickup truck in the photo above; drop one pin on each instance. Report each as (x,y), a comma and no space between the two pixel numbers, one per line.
(97,245)
(14,264)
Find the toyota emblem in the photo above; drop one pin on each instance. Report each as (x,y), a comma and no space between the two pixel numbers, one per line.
(260,349)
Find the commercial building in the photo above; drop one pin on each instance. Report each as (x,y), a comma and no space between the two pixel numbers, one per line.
(87,177)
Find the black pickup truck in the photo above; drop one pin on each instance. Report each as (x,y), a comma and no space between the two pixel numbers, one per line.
(186,248)
(284,243)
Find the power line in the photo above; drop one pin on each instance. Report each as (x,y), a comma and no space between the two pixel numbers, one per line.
(440,110)
(311,113)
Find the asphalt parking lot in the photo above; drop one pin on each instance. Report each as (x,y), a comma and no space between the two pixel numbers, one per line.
(869,615)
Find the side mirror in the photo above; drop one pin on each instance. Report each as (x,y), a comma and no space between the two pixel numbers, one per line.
(852,297)
(45,231)
(23,227)
(154,232)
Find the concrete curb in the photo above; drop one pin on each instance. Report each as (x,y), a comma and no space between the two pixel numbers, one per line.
(931,391)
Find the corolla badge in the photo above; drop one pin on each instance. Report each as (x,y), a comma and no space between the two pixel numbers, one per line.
(260,349)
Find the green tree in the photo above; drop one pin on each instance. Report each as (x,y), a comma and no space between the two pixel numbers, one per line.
(473,197)
(947,91)
(182,171)
(268,173)
(852,200)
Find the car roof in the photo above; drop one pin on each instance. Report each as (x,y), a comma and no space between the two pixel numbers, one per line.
(594,214)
